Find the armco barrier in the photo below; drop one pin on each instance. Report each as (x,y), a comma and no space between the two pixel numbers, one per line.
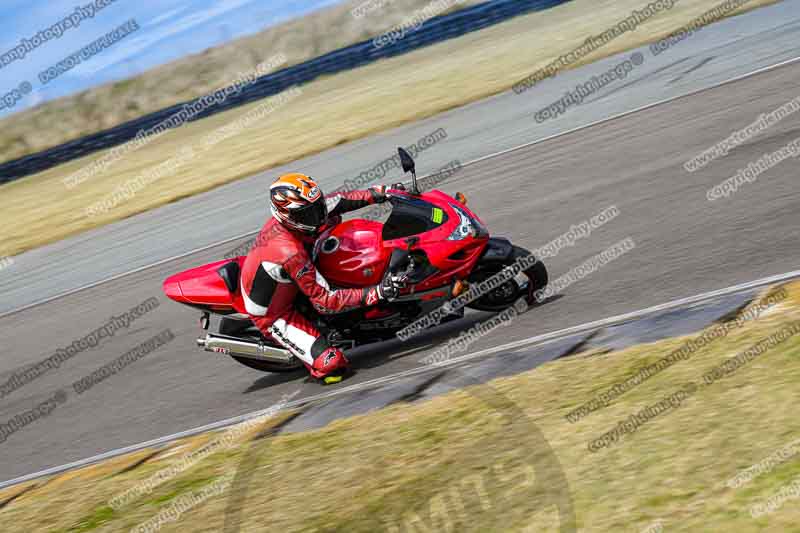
(434,30)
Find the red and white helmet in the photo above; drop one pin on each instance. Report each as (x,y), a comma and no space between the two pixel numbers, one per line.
(297,201)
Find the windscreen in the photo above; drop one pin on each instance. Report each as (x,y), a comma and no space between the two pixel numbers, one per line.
(411,216)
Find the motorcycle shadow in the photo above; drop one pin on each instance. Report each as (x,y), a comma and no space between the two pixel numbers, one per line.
(379,353)
(276,378)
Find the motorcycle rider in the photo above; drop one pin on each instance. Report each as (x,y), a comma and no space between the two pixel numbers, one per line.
(279,264)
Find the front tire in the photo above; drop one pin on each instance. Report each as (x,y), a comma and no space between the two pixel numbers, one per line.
(538,277)
(504,296)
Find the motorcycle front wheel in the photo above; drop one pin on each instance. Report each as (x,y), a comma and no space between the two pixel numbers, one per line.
(505,295)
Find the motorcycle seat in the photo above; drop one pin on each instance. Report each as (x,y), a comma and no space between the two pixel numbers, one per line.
(229,272)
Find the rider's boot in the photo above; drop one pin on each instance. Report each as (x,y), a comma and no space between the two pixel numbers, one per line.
(331,366)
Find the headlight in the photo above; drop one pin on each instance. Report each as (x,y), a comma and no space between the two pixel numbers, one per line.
(465,228)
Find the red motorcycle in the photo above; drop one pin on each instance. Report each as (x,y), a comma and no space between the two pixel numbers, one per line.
(435,239)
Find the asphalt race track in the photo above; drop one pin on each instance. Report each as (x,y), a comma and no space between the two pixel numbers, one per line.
(684,245)
(729,49)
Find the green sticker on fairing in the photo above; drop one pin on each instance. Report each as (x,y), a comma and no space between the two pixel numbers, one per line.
(438,215)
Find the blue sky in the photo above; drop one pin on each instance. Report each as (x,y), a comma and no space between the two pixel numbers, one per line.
(169,29)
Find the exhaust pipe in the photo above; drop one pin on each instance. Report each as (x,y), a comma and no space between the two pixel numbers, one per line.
(242,348)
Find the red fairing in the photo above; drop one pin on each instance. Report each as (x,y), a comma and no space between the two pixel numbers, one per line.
(453,259)
(352,254)
(203,286)
(359,256)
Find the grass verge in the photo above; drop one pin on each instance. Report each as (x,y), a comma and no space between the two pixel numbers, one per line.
(330,111)
(71,117)
(470,460)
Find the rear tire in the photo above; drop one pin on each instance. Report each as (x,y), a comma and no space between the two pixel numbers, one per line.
(266,366)
(233,327)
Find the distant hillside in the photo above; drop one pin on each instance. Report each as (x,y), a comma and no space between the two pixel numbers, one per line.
(67,118)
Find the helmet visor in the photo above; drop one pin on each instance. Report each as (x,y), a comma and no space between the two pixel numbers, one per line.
(313,215)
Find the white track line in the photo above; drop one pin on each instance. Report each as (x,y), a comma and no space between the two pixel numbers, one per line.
(636,110)
(543,339)
(474,161)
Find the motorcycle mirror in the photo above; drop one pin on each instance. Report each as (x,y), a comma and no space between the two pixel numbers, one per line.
(406,160)
(408,166)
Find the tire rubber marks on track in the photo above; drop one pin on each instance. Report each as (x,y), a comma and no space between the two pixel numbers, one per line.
(698,66)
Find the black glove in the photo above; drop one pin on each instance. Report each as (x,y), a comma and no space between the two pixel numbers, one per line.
(389,289)
(379,193)
(334,220)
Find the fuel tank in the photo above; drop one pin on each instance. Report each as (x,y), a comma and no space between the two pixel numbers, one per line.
(352,254)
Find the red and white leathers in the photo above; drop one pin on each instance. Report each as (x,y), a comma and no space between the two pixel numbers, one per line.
(278,265)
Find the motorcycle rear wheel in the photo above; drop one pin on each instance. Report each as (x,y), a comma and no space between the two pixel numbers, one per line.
(228,326)
(267,366)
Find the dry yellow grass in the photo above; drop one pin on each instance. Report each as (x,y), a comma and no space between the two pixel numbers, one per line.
(330,111)
(106,106)
(489,458)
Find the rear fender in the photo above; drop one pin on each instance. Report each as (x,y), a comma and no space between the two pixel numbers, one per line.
(208,287)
